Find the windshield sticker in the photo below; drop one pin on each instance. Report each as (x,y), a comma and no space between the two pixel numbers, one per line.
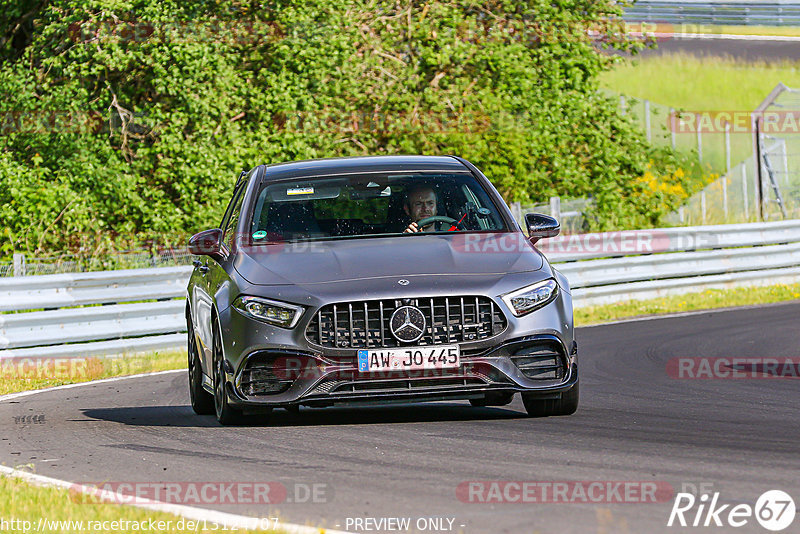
(300,191)
(261,234)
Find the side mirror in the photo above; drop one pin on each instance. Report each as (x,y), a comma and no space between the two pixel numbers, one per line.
(541,226)
(206,243)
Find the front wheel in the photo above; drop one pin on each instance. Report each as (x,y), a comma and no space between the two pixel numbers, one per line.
(226,414)
(566,405)
(202,400)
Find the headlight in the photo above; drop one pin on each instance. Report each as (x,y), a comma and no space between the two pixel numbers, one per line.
(272,312)
(529,298)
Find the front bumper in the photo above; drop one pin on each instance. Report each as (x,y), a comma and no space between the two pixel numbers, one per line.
(273,367)
(536,364)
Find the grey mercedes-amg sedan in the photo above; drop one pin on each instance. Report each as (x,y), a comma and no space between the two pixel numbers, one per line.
(376,280)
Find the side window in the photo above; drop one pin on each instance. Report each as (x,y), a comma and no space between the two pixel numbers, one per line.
(231,218)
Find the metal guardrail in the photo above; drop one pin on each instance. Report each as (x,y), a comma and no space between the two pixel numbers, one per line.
(23,265)
(75,289)
(108,321)
(602,268)
(564,248)
(786,13)
(672,261)
(72,325)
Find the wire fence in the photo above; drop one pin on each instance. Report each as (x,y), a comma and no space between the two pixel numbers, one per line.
(571,213)
(764,187)
(779,149)
(22,265)
(718,145)
(729,199)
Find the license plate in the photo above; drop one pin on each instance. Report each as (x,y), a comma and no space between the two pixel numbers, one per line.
(409,358)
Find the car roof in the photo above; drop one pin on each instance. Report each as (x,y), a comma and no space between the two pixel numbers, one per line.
(365,164)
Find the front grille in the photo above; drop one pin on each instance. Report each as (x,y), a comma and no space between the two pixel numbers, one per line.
(542,361)
(365,324)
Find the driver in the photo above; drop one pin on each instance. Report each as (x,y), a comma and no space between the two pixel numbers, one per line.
(420,203)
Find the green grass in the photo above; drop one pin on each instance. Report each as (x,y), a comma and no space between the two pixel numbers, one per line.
(780,31)
(37,373)
(690,83)
(23,502)
(705,300)
(700,83)
(683,30)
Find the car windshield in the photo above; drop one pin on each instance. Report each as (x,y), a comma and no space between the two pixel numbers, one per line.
(364,205)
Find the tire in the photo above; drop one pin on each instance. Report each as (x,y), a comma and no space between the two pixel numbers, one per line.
(226,414)
(202,400)
(566,405)
(493,399)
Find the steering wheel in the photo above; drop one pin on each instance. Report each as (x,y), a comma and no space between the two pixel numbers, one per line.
(437,218)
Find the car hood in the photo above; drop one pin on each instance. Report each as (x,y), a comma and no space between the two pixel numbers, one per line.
(328,261)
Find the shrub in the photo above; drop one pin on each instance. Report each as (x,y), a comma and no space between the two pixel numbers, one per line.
(131,119)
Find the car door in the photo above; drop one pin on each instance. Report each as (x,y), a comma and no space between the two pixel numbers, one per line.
(217,278)
(205,282)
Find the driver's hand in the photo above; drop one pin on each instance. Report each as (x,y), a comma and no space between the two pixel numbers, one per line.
(411,228)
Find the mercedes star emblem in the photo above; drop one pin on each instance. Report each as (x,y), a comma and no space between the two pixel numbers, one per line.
(407,324)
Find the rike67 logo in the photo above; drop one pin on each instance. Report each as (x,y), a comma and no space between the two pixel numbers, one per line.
(774,510)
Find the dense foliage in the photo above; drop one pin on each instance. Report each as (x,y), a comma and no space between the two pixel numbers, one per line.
(130,119)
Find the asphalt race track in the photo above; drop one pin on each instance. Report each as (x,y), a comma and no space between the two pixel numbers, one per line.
(743,49)
(737,437)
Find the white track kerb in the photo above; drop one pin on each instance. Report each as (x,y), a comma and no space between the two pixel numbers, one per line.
(189,512)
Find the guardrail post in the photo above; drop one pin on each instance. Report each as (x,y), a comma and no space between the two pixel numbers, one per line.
(672,126)
(20,267)
(760,207)
(516,210)
(727,147)
(555,207)
(699,140)
(744,193)
(703,205)
(785,163)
